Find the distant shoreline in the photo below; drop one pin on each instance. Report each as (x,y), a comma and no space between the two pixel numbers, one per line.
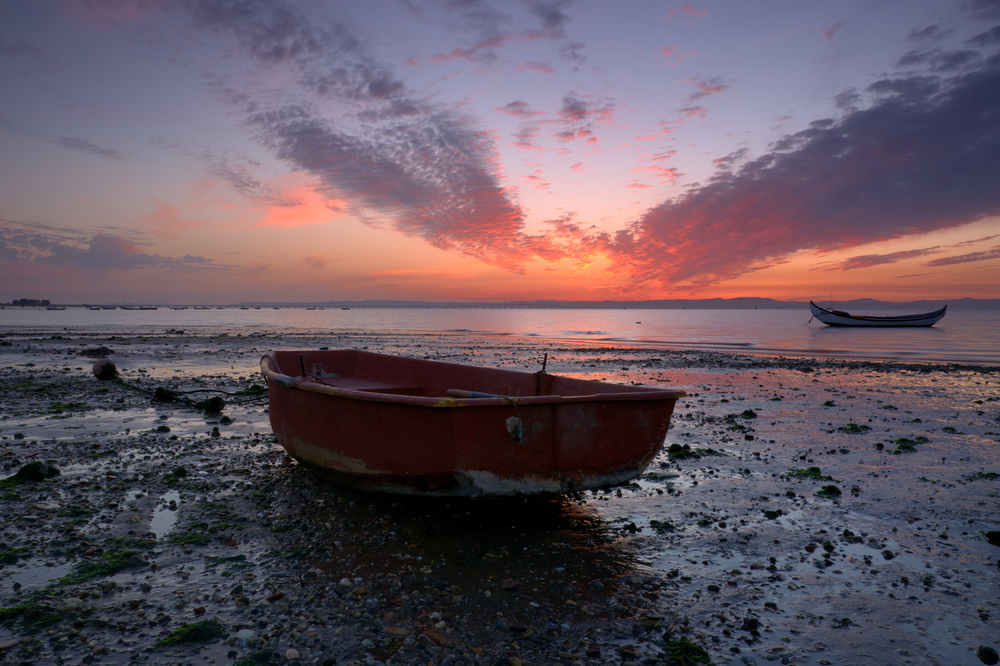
(861,305)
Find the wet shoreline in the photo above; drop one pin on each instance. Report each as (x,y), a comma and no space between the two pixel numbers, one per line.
(736,553)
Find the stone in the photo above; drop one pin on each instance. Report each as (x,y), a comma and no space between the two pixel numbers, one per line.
(70,605)
(105,369)
(987,655)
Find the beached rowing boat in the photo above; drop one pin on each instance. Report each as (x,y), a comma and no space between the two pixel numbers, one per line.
(841,318)
(400,425)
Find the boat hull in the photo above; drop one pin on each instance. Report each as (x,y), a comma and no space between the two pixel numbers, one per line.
(834,318)
(387,424)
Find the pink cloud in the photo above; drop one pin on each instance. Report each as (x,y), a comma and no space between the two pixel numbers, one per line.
(539,67)
(828,33)
(687,10)
(318,261)
(663,131)
(519,109)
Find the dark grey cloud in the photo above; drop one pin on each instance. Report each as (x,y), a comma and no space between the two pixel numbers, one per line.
(987,10)
(553,20)
(985,255)
(426,171)
(110,252)
(71,142)
(59,246)
(923,156)
(75,143)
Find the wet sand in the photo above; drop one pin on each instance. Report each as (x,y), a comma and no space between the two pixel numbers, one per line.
(164,515)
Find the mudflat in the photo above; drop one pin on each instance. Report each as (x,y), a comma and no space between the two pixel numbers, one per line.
(803,511)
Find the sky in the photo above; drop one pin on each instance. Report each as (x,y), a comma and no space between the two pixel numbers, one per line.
(221,151)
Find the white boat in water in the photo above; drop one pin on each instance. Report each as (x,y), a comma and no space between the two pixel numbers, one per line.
(841,318)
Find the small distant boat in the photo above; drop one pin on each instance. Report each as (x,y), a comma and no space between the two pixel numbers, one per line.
(202,307)
(109,307)
(178,307)
(841,318)
(94,307)
(399,425)
(56,307)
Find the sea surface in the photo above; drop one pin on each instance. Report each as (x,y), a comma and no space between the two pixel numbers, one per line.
(965,337)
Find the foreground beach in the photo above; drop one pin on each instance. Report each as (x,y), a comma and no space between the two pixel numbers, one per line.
(822,512)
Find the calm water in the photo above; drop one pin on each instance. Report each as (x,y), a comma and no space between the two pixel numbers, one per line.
(961,337)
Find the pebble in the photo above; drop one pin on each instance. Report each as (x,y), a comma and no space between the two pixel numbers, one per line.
(292,653)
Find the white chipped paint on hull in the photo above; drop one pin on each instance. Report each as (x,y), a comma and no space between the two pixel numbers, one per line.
(354,473)
(492,484)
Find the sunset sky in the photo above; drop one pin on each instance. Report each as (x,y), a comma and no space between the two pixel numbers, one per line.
(218,151)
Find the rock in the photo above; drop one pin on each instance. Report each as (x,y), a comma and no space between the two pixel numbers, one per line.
(105,369)
(436,637)
(993,537)
(71,605)
(135,562)
(987,655)
(291,653)
(214,405)
(397,632)
(37,471)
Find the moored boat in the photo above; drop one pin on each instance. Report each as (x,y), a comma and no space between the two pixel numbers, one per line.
(841,318)
(410,426)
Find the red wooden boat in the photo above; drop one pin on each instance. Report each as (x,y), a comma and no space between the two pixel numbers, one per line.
(409,426)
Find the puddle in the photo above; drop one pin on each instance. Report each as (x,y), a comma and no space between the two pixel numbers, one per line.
(165,514)
(35,574)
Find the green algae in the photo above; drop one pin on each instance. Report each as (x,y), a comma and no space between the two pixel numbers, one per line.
(196,632)
(854,429)
(814,473)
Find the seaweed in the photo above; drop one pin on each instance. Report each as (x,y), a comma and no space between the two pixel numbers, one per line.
(854,429)
(197,632)
(814,473)
(12,555)
(683,652)
(108,564)
(906,445)
(662,527)
(258,658)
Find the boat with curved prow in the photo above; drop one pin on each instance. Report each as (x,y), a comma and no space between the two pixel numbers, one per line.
(409,426)
(841,318)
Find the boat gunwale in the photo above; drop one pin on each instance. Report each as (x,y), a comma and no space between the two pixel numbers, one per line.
(820,311)
(634,393)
